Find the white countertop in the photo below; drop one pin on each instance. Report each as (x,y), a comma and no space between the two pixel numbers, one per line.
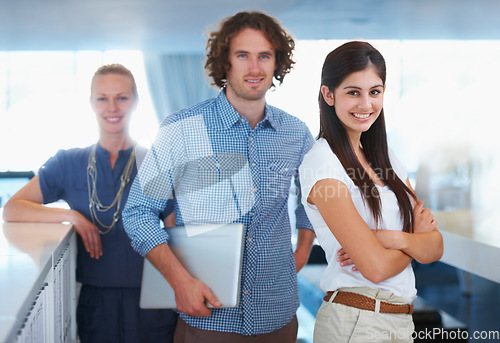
(471,241)
(26,251)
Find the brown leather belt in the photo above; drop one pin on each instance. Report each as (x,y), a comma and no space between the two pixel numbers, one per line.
(366,303)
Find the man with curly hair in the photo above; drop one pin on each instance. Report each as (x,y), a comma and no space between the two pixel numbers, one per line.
(231,159)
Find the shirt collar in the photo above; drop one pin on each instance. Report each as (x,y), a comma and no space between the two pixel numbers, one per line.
(229,117)
(271,118)
(100,151)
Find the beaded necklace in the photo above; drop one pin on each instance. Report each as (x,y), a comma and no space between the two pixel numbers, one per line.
(95,204)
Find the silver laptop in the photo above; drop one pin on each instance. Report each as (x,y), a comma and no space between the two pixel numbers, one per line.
(210,253)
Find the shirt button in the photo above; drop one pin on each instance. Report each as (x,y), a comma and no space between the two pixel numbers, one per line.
(217,165)
(250,239)
(246,292)
(255,189)
(250,139)
(253,164)
(251,213)
(242,120)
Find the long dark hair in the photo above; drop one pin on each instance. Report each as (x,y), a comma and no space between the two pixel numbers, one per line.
(339,64)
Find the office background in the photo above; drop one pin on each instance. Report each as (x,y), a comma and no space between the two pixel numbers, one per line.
(441,101)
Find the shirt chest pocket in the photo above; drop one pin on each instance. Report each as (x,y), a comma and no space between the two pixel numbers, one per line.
(280,177)
(282,167)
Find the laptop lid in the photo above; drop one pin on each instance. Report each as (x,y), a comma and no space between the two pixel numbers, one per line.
(210,253)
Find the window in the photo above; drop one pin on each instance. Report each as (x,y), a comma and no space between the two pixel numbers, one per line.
(441,113)
(440,107)
(44,103)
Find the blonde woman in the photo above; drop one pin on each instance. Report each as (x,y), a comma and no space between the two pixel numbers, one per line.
(95,182)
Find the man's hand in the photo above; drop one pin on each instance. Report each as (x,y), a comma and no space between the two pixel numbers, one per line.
(88,232)
(191,298)
(191,295)
(301,258)
(305,239)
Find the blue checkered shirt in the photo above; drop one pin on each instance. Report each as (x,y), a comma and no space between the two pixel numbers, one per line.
(219,170)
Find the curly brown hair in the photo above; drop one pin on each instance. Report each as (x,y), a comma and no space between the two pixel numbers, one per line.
(219,43)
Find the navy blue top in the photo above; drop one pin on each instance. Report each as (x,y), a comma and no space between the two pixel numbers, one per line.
(64,176)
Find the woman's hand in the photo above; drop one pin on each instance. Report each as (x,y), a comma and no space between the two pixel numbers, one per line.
(88,232)
(390,239)
(395,239)
(344,259)
(424,219)
(425,244)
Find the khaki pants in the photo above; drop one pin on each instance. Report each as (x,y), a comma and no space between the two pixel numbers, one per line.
(339,323)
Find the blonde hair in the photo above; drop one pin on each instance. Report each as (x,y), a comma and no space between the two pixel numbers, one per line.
(119,69)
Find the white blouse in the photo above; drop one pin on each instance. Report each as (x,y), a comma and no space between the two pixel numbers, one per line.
(321,163)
